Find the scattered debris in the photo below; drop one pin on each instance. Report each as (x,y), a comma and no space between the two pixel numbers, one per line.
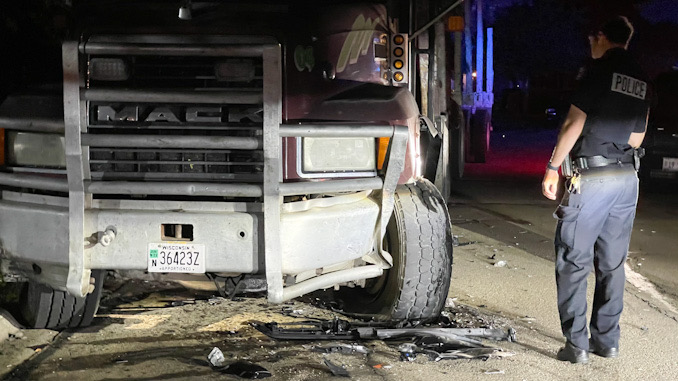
(216,300)
(435,342)
(342,329)
(438,351)
(456,242)
(335,329)
(244,369)
(473,353)
(449,302)
(381,366)
(407,351)
(336,370)
(216,357)
(500,264)
(346,349)
(644,328)
(495,371)
(179,303)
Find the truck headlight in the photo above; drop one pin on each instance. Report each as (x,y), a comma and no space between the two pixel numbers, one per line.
(30,149)
(338,155)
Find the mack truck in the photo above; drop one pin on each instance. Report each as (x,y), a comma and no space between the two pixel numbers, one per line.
(289,147)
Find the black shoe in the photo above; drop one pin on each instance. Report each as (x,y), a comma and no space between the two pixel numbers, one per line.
(573,354)
(610,352)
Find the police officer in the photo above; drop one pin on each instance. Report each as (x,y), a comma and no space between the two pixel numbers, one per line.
(605,124)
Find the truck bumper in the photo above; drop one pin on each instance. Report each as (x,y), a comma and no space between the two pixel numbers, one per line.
(313,234)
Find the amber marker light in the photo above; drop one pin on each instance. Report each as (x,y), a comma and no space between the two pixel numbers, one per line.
(398,52)
(381,153)
(398,64)
(398,76)
(399,39)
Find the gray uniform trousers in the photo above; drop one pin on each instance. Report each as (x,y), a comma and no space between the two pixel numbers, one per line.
(594,230)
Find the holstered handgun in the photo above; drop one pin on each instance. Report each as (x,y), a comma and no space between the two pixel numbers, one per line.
(638,153)
(566,167)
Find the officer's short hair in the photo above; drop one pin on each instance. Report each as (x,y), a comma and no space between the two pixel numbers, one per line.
(618,30)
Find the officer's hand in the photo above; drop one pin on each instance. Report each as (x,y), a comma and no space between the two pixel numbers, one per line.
(549,186)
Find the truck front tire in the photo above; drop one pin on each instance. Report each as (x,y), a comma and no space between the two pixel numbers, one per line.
(44,307)
(419,238)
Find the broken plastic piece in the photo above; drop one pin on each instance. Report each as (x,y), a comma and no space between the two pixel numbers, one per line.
(408,351)
(347,349)
(336,369)
(216,357)
(341,329)
(319,330)
(245,370)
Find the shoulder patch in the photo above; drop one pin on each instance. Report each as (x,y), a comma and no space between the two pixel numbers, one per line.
(630,86)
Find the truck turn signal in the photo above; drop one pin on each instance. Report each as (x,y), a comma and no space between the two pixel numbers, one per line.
(399,58)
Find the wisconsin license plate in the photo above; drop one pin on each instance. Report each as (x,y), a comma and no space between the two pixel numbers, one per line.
(176,258)
(670,164)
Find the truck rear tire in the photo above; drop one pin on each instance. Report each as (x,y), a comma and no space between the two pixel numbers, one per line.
(45,307)
(419,238)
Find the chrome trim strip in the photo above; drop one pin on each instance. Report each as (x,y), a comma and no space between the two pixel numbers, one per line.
(168,96)
(272,171)
(25,180)
(330,186)
(157,141)
(174,188)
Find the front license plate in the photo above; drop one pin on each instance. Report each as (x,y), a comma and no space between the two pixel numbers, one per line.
(670,164)
(176,258)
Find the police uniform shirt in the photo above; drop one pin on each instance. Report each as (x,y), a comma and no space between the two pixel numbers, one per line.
(614,94)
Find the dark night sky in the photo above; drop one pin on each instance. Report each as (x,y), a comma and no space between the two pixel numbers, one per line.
(660,11)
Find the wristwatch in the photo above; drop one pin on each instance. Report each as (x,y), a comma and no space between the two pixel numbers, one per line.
(549,166)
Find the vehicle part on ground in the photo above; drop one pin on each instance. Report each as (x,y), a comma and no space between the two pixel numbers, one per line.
(346,349)
(419,239)
(446,334)
(336,370)
(341,329)
(245,369)
(409,351)
(45,307)
(335,329)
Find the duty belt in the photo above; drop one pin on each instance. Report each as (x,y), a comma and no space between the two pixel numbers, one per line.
(600,161)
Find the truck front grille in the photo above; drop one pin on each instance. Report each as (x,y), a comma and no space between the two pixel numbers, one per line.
(191,114)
